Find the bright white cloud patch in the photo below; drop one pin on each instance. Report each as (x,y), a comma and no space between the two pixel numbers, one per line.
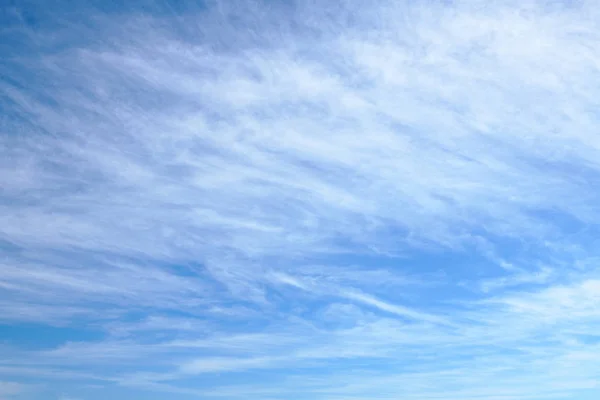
(335,200)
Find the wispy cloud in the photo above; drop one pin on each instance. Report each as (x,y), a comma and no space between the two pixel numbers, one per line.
(10,388)
(356,202)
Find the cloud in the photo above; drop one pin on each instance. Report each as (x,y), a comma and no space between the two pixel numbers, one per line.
(10,389)
(355,202)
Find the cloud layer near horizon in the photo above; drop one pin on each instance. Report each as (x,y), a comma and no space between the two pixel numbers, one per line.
(301,201)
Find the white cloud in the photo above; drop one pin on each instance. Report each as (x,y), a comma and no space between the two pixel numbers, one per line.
(375,201)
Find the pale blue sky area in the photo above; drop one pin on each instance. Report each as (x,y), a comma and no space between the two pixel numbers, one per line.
(261,200)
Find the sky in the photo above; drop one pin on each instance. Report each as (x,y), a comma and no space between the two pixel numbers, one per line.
(294,200)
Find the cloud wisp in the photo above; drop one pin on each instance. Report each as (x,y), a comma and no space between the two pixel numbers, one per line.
(263,200)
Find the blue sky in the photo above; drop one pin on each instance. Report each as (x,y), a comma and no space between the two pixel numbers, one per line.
(299,200)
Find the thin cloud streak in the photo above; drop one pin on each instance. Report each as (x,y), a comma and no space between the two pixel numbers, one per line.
(356,202)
